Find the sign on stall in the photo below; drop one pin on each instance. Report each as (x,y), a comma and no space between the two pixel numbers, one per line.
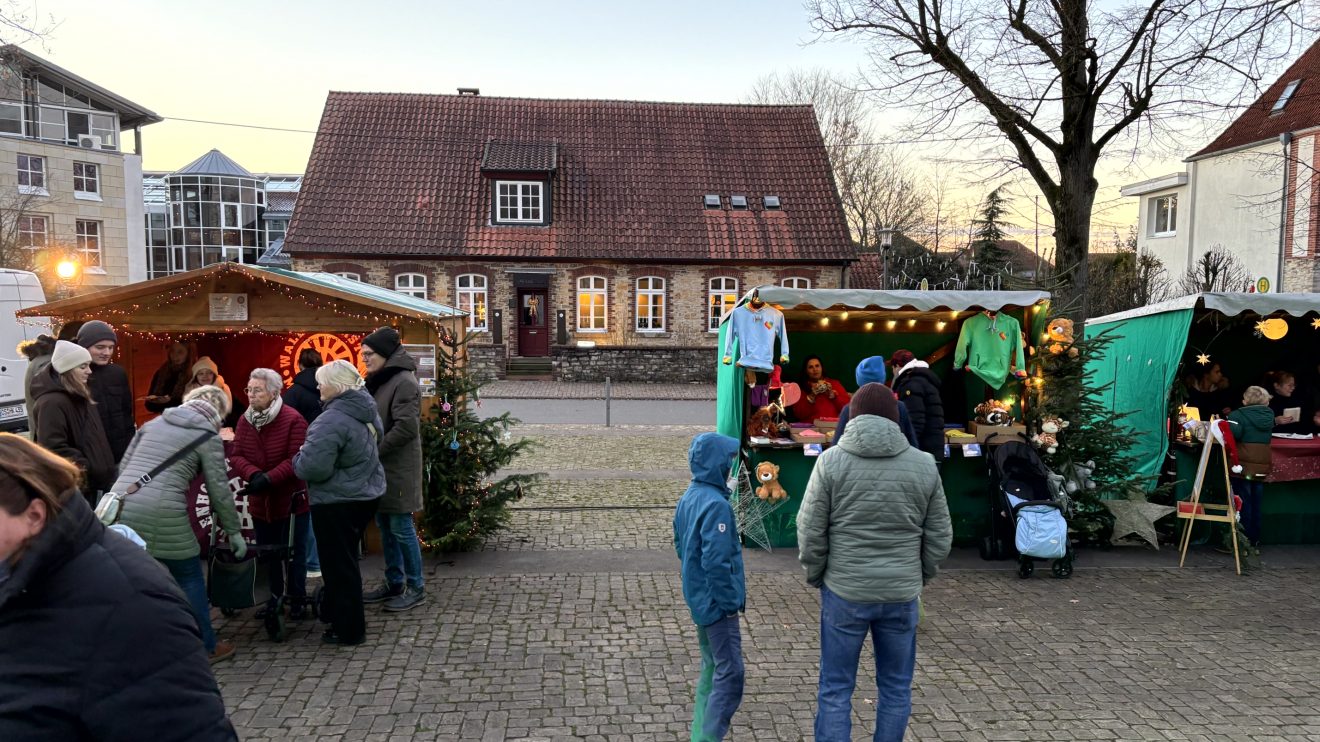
(425,355)
(229,307)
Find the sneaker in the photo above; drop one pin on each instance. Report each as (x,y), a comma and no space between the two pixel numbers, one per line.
(407,600)
(313,574)
(222,652)
(382,593)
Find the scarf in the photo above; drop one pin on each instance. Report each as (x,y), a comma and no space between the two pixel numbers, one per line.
(259,419)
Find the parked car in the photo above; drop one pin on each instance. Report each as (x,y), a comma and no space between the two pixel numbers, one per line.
(18,290)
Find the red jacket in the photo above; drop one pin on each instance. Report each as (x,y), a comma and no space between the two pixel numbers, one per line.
(271,450)
(823,406)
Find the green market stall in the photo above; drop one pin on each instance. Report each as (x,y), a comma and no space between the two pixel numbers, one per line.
(844,326)
(1155,346)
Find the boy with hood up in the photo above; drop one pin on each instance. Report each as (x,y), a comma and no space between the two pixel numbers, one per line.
(706,538)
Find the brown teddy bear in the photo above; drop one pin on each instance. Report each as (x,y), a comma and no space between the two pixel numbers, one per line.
(768,475)
(1060,332)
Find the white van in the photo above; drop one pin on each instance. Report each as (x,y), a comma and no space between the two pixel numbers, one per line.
(18,290)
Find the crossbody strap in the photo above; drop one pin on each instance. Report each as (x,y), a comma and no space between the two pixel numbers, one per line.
(167,463)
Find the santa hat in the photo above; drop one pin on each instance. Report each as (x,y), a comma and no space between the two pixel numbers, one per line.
(1221,432)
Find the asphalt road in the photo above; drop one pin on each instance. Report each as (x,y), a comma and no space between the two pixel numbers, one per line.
(592,411)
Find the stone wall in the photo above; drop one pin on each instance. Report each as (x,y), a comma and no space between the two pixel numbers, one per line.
(486,362)
(1301,275)
(670,365)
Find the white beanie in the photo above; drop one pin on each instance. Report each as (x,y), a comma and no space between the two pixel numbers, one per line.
(68,356)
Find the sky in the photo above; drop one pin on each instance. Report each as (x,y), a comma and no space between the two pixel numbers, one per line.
(270,64)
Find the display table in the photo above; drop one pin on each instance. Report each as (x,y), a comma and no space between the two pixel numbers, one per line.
(1294,460)
(1290,513)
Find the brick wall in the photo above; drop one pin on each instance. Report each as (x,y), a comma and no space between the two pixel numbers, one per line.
(1301,275)
(486,362)
(670,365)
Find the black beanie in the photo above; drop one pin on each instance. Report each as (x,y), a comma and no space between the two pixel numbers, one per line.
(94,332)
(874,399)
(384,341)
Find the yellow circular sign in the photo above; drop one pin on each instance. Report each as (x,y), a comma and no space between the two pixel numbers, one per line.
(1273,329)
(1262,285)
(332,347)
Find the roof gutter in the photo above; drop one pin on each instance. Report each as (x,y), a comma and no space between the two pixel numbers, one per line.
(1251,145)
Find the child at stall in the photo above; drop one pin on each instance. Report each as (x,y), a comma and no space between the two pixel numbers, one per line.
(1252,425)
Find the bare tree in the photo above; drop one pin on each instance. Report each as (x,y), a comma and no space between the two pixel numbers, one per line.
(880,190)
(21,246)
(1124,278)
(1216,270)
(1061,82)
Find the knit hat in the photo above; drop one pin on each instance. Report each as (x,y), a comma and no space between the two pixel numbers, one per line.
(94,332)
(871,370)
(902,358)
(340,373)
(384,341)
(874,399)
(68,356)
(213,396)
(204,364)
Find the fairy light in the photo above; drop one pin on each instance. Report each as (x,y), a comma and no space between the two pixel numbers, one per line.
(843,316)
(891,324)
(870,325)
(824,321)
(941,325)
(912,323)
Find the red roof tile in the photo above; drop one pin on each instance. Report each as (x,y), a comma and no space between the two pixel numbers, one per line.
(1257,124)
(866,272)
(398,174)
(519,157)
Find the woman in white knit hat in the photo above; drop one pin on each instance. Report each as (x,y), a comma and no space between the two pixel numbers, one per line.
(66,420)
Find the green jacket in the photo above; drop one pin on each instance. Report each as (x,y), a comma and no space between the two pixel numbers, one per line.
(1254,423)
(874,525)
(989,347)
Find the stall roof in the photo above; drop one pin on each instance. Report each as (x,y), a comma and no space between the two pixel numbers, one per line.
(1229,304)
(922,301)
(370,291)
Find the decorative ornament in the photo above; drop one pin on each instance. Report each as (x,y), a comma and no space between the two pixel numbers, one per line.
(454,445)
(1315,324)
(1136,518)
(1272,329)
(1203,359)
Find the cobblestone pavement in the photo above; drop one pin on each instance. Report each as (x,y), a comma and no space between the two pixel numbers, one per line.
(561,631)
(586,390)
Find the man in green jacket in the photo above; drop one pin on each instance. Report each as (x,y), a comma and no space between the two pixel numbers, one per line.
(873,528)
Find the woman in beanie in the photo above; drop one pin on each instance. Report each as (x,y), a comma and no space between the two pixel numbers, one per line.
(109,385)
(872,530)
(66,420)
(341,467)
(206,373)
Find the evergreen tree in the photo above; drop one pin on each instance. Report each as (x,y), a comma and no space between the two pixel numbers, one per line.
(461,454)
(989,227)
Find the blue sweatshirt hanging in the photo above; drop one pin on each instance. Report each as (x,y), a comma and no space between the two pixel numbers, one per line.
(756,330)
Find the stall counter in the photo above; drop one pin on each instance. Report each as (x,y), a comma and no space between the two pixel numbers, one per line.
(1291,511)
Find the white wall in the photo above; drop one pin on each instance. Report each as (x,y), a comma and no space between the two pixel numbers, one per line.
(134,209)
(1172,249)
(1235,203)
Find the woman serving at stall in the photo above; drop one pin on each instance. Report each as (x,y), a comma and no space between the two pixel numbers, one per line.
(821,396)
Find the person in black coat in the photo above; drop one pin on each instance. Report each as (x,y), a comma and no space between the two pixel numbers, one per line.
(96,642)
(303,395)
(919,389)
(67,422)
(109,386)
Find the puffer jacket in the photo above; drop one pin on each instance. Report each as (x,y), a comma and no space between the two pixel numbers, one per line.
(97,643)
(339,461)
(706,533)
(399,402)
(159,511)
(874,524)
(114,401)
(1254,424)
(71,427)
(303,395)
(270,449)
(918,388)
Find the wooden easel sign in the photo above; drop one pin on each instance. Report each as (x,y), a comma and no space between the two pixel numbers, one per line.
(1193,509)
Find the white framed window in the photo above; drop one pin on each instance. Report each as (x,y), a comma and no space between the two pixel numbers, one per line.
(66,124)
(472,299)
(276,229)
(796,283)
(11,119)
(86,181)
(650,304)
(723,297)
(350,275)
(32,175)
(1164,216)
(413,284)
(89,242)
(592,304)
(33,231)
(518,202)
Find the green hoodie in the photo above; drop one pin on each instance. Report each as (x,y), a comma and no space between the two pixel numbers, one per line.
(990,346)
(1254,423)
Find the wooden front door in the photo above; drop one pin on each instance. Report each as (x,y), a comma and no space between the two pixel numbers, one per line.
(533,328)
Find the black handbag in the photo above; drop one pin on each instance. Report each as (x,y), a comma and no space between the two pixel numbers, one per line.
(236,584)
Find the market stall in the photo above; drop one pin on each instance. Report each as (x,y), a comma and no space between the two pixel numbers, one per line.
(844,326)
(1158,348)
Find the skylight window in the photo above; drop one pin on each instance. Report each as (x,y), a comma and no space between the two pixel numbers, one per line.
(738,201)
(712,200)
(1285,96)
(771,202)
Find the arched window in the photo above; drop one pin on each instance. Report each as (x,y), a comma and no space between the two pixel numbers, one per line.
(651,304)
(723,297)
(796,283)
(472,299)
(413,284)
(350,275)
(591,304)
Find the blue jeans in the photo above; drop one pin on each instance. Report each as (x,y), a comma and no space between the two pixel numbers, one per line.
(403,552)
(720,687)
(191,578)
(309,538)
(843,628)
(1253,495)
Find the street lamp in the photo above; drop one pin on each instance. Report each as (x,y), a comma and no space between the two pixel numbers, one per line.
(67,270)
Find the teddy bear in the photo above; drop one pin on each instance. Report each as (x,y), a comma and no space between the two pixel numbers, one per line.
(767,422)
(1060,333)
(993,412)
(1079,478)
(768,475)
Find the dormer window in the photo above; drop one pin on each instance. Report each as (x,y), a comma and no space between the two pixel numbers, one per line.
(519,202)
(520,174)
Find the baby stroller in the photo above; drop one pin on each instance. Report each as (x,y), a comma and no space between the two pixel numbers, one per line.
(1026,517)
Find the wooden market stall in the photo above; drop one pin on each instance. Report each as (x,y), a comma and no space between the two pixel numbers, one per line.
(845,326)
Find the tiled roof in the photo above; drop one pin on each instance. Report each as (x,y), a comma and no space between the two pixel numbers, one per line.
(401,175)
(214,162)
(1257,124)
(519,157)
(866,272)
(280,202)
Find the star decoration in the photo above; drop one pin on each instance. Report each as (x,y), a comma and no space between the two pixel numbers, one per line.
(1136,517)
(1315,324)
(1203,359)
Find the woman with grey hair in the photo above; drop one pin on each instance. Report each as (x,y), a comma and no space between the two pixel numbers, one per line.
(267,436)
(345,480)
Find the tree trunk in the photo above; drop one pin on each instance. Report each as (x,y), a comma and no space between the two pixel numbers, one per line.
(1072,204)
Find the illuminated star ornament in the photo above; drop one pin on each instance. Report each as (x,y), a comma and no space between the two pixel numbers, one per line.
(1203,359)
(1315,324)
(1272,329)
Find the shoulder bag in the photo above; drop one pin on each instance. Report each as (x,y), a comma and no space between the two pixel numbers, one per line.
(112,503)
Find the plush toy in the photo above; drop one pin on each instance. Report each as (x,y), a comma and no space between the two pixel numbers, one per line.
(762,423)
(993,413)
(1079,478)
(768,475)
(1046,441)
(1060,333)
(1054,425)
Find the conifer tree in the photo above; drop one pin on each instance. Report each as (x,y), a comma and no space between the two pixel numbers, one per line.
(989,227)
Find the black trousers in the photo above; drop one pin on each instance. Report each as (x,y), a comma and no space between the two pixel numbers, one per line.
(294,561)
(338,530)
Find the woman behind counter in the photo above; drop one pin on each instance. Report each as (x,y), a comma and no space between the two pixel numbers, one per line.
(821,396)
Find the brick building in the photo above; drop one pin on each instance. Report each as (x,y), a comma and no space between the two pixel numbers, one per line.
(590,238)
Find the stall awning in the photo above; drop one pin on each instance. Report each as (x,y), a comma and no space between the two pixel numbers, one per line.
(919,301)
(1228,304)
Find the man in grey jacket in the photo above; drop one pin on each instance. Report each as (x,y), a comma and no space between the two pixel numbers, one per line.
(873,528)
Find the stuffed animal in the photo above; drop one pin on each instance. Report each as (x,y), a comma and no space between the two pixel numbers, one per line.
(1079,478)
(993,412)
(762,424)
(768,475)
(1060,333)
(1053,425)
(1047,441)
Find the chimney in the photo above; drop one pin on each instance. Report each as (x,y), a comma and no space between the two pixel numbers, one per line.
(469,91)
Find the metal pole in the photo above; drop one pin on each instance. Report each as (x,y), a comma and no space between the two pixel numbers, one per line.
(1038,240)
(607,401)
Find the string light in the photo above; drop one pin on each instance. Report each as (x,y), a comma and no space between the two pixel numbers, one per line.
(870,325)
(824,321)
(912,323)
(844,316)
(891,324)
(941,325)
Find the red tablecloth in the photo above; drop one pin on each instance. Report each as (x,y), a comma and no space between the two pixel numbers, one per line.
(1294,460)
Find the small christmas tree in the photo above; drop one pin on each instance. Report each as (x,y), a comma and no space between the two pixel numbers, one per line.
(461,454)
(989,227)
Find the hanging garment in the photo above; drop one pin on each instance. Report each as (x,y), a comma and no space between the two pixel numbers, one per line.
(756,330)
(991,346)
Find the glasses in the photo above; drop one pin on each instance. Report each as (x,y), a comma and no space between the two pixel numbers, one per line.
(255,390)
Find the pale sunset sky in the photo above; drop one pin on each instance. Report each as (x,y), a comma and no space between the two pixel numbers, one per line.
(272,63)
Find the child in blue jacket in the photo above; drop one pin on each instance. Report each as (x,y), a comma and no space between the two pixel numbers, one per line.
(706,538)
